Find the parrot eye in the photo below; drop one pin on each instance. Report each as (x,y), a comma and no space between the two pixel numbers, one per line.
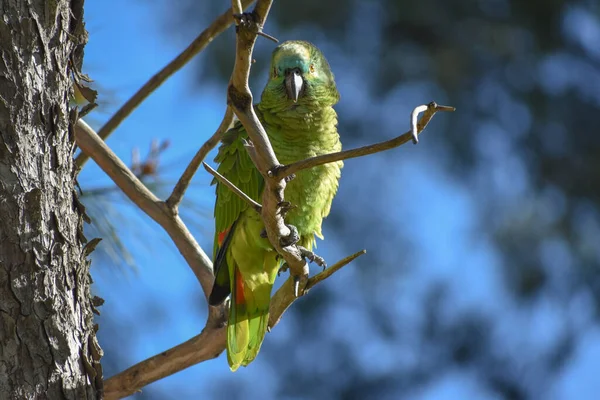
(311,68)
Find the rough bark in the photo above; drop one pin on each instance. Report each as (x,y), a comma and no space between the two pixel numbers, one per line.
(48,347)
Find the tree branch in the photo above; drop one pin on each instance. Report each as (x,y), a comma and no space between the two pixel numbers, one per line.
(240,99)
(257,207)
(216,28)
(205,346)
(429,111)
(183,183)
(91,144)
(239,94)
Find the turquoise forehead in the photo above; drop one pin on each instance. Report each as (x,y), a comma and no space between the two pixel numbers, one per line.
(291,55)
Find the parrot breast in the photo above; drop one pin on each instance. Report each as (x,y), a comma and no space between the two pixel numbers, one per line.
(300,136)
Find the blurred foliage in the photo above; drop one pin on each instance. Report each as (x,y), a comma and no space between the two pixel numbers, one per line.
(523,145)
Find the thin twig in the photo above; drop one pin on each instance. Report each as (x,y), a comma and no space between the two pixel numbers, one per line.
(430,110)
(327,272)
(183,183)
(91,144)
(267,36)
(285,296)
(251,152)
(109,189)
(217,27)
(257,207)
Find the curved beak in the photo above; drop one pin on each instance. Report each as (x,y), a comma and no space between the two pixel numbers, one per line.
(293,83)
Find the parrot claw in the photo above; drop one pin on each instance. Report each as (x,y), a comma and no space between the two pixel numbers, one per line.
(292,238)
(312,257)
(285,207)
(244,18)
(263,234)
(290,178)
(275,171)
(284,267)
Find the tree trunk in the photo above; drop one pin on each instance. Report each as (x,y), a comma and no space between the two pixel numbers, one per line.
(48,346)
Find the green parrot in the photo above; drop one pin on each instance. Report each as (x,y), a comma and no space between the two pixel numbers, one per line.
(296,112)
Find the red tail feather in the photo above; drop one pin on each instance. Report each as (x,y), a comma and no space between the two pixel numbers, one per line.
(239,288)
(221,236)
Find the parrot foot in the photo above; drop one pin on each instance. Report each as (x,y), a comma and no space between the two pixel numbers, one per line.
(245,19)
(292,238)
(275,170)
(285,207)
(312,257)
(284,267)
(248,21)
(309,256)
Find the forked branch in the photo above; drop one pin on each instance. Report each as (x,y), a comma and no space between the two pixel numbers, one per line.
(205,346)
(93,145)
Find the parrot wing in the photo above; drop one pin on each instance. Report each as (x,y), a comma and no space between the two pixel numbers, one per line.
(236,165)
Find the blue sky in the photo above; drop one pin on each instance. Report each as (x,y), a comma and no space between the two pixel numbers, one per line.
(127,47)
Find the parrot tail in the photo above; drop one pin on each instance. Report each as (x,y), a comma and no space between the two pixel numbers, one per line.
(248,320)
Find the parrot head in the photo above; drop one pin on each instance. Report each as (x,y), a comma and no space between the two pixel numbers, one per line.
(300,75)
